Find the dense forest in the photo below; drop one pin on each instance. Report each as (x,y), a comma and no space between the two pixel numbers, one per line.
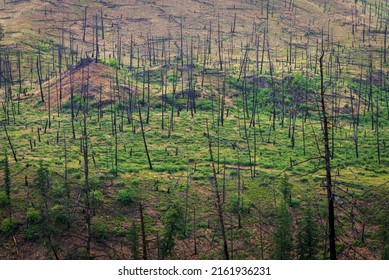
(162,129)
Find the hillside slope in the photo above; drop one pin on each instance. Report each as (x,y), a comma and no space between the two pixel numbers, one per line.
(194,129)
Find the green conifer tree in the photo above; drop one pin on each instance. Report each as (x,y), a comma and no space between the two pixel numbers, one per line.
(282,239)
(308,236)
(174,225)
(133,237)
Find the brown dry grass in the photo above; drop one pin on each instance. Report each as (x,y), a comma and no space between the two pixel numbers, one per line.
(25,21)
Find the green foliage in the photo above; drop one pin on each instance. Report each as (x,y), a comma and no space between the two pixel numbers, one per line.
(97,197)
(294,202)
(234,83)
(235,204)
(99,229)
(384,234)
(282,237)
(174,225)
(177,59)
(3,200)
(33,216)
(32,233)
(7,179)
(298,80)
(125,196)
(95,183)
(167,243)
(59,214)
(77,102)
(135,182)
(174,219)
(40,181)
(58,191)
(133,237)
(168,168)
(111,62)
(173,78)
(45,46)
(286,189)
(260,195)
(204,104)
(121,184)
(8,227)
(308,236)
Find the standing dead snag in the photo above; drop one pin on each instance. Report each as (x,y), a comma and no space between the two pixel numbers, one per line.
(86,168)
(144,138)
(327,157)
(217,198)
(142,223)
(97,40)
(39,70)
(10,143)
(84,24)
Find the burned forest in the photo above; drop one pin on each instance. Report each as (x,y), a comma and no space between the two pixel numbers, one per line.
(191,130)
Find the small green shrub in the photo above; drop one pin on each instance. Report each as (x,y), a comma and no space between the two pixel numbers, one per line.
(39,103)
(3,200)
(96,183)
(135,183)
(204,104)
(234,173)
(99,229)
(121,184)
(31,233)
(58,191)
(97,197)
(268,165)
(8,226)
(234,203)
(295,202)
(112,62)
(59,215)
(72,170)
(304,180)
(171,168)
(33,216)
(125,196)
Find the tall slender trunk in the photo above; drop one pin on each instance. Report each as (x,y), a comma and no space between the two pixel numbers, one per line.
(144,138)
(217,198)
(86,170)
(142,223)
(327,157)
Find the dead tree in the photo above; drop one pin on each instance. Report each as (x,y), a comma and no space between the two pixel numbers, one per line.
(218,204)
(144,138)
(327,158)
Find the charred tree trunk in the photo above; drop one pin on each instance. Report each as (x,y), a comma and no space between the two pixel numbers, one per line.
(217,198)
(327,157)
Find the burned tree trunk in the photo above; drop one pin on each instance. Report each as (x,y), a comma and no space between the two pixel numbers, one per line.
(327,158)
(217,198)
